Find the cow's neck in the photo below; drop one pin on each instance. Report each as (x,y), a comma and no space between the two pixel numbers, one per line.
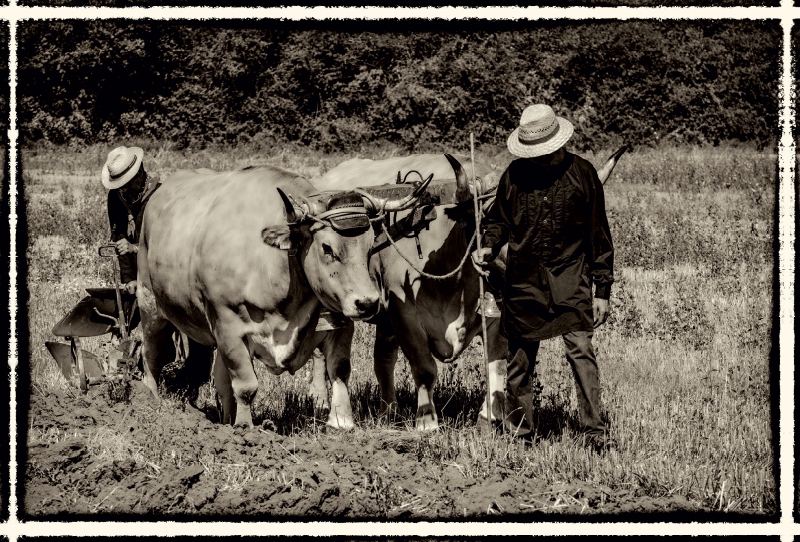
(284,342)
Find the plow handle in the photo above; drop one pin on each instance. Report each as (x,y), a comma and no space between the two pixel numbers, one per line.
(102,251)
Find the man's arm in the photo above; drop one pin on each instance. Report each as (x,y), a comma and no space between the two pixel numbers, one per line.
(496,221)
(118,221)
(601,267)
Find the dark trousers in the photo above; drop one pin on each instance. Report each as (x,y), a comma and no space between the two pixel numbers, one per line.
(519,384)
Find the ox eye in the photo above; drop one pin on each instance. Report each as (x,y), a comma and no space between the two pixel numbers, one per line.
(326,248)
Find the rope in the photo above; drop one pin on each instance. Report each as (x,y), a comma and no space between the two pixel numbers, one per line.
(420,271)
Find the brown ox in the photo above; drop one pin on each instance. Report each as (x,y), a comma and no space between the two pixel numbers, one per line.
(429,319)
(233,263)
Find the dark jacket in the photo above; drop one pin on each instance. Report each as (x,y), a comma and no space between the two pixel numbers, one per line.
(125,219)
(559,242)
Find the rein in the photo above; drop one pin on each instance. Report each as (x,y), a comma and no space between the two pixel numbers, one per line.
(489,195)
(381,219)
(424,273)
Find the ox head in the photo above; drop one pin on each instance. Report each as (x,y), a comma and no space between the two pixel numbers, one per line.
(333,240)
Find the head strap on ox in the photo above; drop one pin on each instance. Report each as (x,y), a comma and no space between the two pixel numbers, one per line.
(345,212)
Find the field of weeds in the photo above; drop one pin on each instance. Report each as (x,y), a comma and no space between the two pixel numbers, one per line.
(684,361)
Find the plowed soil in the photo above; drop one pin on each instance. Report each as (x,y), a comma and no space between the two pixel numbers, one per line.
(216,470)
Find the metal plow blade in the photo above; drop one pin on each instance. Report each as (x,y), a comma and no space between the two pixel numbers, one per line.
(63,355)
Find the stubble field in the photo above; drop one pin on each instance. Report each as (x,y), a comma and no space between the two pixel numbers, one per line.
(684,361)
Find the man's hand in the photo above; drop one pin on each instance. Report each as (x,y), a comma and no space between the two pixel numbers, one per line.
(130,287)
(479,256)
(125,247)
(479,260)
(601,311)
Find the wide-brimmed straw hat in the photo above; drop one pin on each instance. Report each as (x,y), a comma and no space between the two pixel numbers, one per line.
(539,132)
(122,165)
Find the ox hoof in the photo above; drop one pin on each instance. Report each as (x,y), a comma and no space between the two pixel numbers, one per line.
(152,385)
(344,423)
(427,420)
(427,424)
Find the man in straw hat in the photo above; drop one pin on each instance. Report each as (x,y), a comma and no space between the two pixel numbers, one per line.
(129,188)
(550,209)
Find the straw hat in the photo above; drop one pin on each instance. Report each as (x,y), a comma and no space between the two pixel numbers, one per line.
(122,165)
(540,132)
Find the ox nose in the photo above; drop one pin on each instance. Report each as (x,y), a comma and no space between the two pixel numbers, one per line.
(367,306)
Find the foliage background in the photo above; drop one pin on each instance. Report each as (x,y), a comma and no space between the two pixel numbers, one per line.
(341,85)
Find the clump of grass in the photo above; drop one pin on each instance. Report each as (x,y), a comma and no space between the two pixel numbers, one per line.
(109,444)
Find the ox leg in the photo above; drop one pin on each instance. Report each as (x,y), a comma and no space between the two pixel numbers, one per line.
(222,383)
(197,368)
(414,343)
(384,355)
(158,349)
(318,388)
(238,387)
(336,348)
(497,348)
(425,372)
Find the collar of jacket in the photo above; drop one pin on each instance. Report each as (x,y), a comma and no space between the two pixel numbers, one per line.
(558,170)
(149,185)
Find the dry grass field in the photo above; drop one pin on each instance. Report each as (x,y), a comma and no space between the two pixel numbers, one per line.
(684,359)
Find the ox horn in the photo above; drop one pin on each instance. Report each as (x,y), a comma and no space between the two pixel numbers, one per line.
(608,167)
(312,207)
(377,204)
(462,183)
(292,213)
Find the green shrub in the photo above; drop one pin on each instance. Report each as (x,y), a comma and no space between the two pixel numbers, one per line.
(199,84)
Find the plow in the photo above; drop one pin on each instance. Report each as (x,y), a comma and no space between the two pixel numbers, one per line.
(104,311)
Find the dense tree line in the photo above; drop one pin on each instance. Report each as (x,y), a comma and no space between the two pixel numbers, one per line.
(342,85)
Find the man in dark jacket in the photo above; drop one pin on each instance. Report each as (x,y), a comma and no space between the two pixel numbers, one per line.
(550,209)
(130,187)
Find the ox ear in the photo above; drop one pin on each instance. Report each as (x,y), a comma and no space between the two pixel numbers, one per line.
(281,237)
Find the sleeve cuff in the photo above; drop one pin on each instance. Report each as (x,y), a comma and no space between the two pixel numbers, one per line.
(602,291)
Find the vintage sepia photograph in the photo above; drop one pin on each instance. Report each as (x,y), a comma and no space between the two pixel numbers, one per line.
(398,270)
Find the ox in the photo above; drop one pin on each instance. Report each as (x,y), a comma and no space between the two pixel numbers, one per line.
(234,263)
(429,319)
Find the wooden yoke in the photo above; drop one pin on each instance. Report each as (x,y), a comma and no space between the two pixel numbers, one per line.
(439,191)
